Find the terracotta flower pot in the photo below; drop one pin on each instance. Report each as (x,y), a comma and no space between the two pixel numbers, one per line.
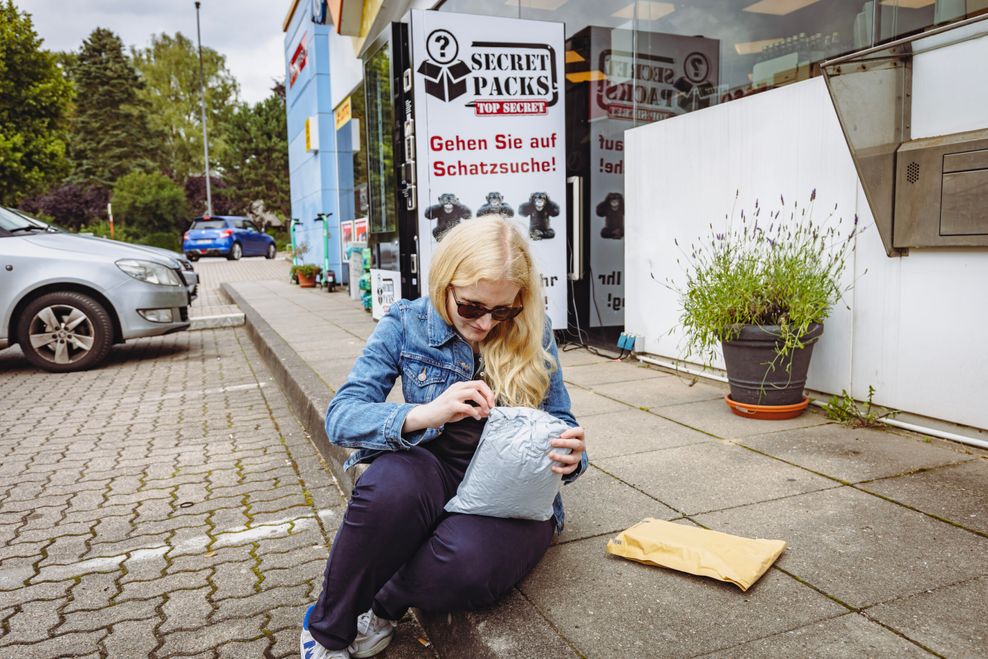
(306,281)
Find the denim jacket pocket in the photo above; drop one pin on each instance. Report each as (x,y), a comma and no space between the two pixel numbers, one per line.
(422,381)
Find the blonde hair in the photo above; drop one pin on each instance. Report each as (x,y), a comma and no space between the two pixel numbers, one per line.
(516,366)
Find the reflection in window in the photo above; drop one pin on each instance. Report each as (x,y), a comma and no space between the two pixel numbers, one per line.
(380,148)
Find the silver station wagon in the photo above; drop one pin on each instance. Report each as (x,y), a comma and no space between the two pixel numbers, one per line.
(66,299)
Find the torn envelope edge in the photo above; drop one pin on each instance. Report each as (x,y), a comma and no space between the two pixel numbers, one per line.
(706,553)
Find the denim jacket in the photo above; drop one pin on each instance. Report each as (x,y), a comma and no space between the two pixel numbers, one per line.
(413,341)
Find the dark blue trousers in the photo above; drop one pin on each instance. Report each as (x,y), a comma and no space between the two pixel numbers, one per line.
(398,548)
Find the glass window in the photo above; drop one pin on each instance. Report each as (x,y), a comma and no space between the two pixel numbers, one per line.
(208,224)
(380,148)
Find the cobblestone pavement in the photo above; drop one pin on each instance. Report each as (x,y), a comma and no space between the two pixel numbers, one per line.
(167,504)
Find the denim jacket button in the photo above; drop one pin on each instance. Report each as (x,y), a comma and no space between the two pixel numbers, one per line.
(422,376)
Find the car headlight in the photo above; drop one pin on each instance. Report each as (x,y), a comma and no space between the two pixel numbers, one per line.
(151,272)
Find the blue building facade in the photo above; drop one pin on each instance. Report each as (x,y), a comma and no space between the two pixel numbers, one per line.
(312,158)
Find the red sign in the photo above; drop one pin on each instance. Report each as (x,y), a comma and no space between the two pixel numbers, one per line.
(500,108)
(298,62)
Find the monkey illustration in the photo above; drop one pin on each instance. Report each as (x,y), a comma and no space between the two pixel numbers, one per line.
(612,210)
(538,209)
(495,206)
(449,211)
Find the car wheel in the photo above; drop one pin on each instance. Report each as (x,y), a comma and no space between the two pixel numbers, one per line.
(272,252)
(236,252)
(192,257)
(66,331)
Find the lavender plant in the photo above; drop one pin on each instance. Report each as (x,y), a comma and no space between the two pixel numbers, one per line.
(782,270)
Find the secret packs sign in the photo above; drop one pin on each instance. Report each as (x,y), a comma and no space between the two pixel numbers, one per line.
(489,122)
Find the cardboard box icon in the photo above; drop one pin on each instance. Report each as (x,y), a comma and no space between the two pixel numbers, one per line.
(445,82)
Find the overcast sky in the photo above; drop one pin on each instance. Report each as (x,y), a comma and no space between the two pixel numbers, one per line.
(247,32)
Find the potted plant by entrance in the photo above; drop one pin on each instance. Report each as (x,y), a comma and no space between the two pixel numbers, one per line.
(760,290)
(305,274)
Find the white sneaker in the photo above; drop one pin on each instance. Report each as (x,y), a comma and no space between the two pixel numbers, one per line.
(373,635)
(309,648)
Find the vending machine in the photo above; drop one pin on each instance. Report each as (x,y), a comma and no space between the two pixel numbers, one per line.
(618,79)
(465,121)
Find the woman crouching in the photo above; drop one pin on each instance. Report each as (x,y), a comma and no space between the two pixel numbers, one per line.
(480,339)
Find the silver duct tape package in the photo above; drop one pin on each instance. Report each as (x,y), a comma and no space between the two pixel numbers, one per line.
(511,474)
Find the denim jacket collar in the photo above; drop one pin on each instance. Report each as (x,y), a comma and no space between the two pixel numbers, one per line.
(439,331)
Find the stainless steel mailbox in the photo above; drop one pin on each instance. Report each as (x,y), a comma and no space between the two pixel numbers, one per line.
(941,192)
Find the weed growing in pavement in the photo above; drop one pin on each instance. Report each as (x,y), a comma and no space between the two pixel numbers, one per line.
(845,409)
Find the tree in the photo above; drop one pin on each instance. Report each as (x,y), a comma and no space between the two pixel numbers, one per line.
(195,196)
(110,131)
(149,203)
(257,164)
(169,68)
(34,101)
(70,205)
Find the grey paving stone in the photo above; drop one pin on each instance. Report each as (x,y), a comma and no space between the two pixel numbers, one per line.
(75,644)
(715,418)
(162,585)
(848,636)
(957,493)
(110,615)
(585,403)
(597,503)
(648,611)
(711,476)
(858,548)
(947,620)
(208,637)
(238,649)
(515,628)
(268,598)
(655,393)
(33,622)
(186,609)
(93,591)
(594,375)
(578,357)
(133,638)
(854,454)
(631,430)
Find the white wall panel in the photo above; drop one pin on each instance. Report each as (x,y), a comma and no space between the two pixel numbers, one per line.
(916,327)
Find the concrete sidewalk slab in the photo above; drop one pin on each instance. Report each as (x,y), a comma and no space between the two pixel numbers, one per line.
(629,430)
(711,476)
(849,636)
(946,620)
(713,417)
(689,455)
(853,454)
(597,374)
(958,493)
(611,607)
(598,503)
(655,393)
(858,548)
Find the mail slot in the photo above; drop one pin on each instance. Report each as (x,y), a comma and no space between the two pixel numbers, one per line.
(941,192)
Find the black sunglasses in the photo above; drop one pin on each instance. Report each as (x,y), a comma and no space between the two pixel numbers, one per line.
(475,311)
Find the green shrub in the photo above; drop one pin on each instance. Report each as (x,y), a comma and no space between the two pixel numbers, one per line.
(149,203)
(163,239)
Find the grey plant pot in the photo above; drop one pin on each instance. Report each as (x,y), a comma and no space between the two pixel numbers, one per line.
(755,372)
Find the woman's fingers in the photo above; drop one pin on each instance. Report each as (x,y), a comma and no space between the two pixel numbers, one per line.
(573,443)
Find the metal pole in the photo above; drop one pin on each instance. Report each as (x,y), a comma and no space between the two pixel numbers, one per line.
(202,107)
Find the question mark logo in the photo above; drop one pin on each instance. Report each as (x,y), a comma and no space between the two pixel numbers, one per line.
(442,47)
(696,67)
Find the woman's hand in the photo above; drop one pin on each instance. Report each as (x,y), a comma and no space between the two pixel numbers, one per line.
(452,405)
(567,463)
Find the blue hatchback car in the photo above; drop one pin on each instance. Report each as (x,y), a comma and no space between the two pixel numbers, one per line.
(226,235)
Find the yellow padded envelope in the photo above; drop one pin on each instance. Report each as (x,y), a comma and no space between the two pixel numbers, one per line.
(740,561)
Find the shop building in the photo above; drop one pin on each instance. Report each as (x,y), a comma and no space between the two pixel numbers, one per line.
(673,108)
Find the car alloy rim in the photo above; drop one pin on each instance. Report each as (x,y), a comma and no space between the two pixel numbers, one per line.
(271,250)
(236,249)
(61,334)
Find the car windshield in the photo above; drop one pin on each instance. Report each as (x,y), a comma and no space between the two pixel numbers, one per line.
(208,224)
(12,221)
